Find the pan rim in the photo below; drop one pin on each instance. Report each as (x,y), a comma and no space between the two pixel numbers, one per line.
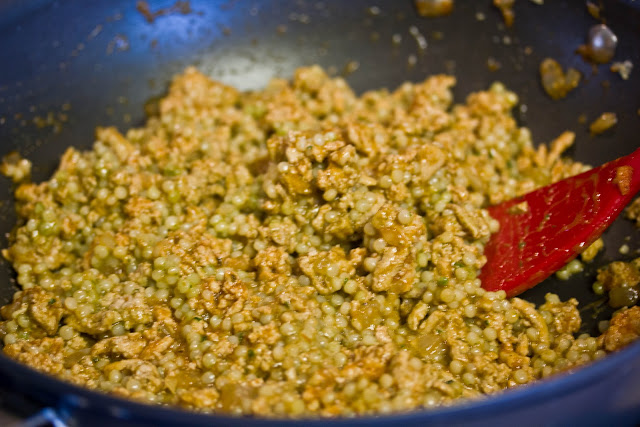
(75,398)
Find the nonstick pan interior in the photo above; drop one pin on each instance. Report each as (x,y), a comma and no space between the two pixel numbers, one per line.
(73,65)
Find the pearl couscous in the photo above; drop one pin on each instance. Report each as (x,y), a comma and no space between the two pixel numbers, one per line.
(293,251)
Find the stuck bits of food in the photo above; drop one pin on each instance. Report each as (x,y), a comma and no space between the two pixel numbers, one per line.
(601,45)
(633,212)
(15,167)
(506,9)
(432,8)
(622,282)
(622,68)
(555,81)
(294,251)
(604,122)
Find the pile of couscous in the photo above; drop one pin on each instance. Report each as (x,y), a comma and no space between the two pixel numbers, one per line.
(293,251)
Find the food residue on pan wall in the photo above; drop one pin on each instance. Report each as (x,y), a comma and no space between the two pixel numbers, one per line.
(601,45)
(94,33)
(622,282)
(181,7)
(604,122)
(590,253)
(412,60)
(633,211)
(555,81)
(115,17)
(506,8)
(303,18)
(15,167)
(51,120)
(373,10)
(224,29)
(350,67)
(624,249)
(42,119)
(622,68)
(593,9)
(493,64)
(432,8)
(119,43)
(419,37)
(572,268)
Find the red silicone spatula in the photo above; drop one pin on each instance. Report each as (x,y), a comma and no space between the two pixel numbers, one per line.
(556,223)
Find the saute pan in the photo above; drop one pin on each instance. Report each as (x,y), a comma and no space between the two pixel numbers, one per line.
(68,66)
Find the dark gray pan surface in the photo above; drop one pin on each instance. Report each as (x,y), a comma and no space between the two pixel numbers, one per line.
(105,60)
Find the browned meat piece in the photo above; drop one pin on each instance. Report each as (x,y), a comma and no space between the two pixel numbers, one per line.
(623,329)
(44,354)
(566,317)
(322,269)
(394,271)
(129,346)
(42,306)
(619,274)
